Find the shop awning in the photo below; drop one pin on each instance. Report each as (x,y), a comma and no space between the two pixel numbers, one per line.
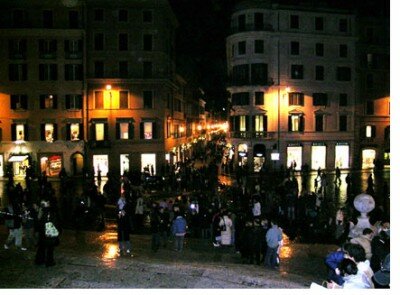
(17,158)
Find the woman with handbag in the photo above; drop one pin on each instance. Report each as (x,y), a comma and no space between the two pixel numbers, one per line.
(48,235)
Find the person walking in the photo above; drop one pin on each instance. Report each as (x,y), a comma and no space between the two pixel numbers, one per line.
(123,226)
(273,238)
(178,230)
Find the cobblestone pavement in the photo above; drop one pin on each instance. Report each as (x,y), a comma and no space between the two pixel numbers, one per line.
(89,260)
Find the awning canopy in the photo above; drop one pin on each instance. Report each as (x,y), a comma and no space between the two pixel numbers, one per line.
(17,158)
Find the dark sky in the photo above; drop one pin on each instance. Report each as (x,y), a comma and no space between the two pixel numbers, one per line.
(203,28)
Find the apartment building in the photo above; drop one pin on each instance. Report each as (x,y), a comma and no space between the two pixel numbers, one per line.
(292,72)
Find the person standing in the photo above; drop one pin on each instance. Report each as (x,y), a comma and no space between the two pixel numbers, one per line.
(46,244)
(178,230)
(225,225)
(123,226)
(273,238)
(13,222)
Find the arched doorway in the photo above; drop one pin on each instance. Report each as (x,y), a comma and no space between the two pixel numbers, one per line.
(77,164)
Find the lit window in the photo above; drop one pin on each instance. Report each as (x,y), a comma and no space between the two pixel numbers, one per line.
(259,123)
(74,131)
(148,130)
(99,131)
(242,123)
(20,131)
(49,132)
(124,130)
(295,119)
(368,131)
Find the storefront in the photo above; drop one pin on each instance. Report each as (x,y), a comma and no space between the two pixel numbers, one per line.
(242,154)
(342,155)
(51,164)
(259,152)
(294,156)
(100,162)
(318,156)
(368,158)
(124,163)
(148,163)
(19,164)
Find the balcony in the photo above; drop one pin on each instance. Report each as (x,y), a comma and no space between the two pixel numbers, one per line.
(253,135)
(252,27)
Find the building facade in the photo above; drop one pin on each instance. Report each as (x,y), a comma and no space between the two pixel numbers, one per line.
(91,84)
(292,73)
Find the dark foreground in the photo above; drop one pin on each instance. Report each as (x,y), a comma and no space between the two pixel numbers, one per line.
(88,259)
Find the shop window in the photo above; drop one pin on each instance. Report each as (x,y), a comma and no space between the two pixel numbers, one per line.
(51,165)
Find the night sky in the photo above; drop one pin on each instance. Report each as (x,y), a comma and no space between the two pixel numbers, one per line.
(203,28)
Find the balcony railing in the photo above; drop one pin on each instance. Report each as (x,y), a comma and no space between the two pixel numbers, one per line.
(253,134)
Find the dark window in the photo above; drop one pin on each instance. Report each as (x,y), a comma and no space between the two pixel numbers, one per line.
(147,42)
(147,99)
(343,99)
(123,42)
(73,17)
(343,50)
(19,18)
(17,49)
(294,21)
(259,74)
(258,21)
(147,16)
(343,123)
(241,22)
(147,69)
(241,98)
(73,101)
(98,100)
(369,107)
(343,25)
(47,49)
(343,74)
(296,98)
(48,72)
(319,49)
(320,99)
(99,69)
(319,123)
(73,49)
(123,69)
(369,83)
(387,133)
(123,15)
(259,46)
(98,41)
(319,73)
(259,98)
(242,48)
(73,72)
(294,48)
(19,101)
(297,72)
(17,72)
(240,75)
(123,99)
(47,19)
(99,15)
(319,24)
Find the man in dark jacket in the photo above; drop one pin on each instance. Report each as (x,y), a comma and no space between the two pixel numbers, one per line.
(178,230)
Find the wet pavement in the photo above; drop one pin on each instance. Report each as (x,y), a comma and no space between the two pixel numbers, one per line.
(87,259)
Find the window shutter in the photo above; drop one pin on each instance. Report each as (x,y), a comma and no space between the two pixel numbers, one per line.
(155,131)
(253,123)
(42,132)
(105,131)
(237,123)
(79,102)
(66,46)
(93,131)
(117,131)
(247,123)
(81,131)
(141,130)
(131,131)
(13,132)
(42,101)
(55,132)
(26,132)
(231,124)
(290,123)
(55,102)
(24,101)
(13,101)
(373,131)
(68,130)
(67,101)
(265,123)
(301,125)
